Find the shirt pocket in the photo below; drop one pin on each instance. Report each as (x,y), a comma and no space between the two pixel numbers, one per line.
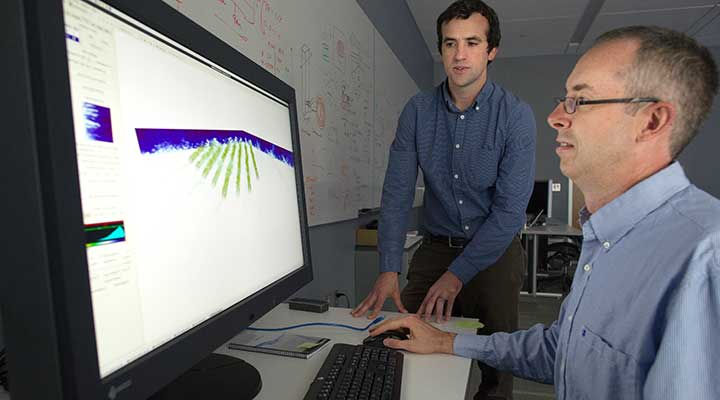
(483,167)
(596,370)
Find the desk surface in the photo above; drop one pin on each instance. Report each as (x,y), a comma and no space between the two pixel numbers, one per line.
(290,378)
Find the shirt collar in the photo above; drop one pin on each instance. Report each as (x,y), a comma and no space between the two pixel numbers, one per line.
(485,92)
(612,221)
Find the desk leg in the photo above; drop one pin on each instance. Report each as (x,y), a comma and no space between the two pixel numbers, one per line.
(540,249)
(530,243)
(533,266)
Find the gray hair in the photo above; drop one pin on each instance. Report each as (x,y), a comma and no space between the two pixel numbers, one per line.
(675,68)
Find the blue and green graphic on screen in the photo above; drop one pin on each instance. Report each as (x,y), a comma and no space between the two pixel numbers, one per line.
(104,233)
(226,158)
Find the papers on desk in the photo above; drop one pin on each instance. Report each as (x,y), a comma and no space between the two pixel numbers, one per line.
(469,324)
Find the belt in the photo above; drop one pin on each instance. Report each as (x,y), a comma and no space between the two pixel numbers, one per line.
(449,241)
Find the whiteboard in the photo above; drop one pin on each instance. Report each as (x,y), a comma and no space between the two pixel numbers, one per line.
(350,89)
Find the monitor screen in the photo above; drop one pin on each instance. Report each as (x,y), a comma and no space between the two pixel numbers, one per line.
(540,203)
(189,184)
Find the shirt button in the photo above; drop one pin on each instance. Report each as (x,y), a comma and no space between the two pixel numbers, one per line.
(570,318)
(477,108)
(606,245)
(462,116)
(467,228)
(460,201)
(587,267)
(456,176)
(457,146)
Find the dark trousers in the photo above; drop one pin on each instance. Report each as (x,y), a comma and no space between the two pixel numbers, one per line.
(492,297)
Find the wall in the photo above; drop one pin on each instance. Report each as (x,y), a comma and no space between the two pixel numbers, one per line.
(333,256)
(538,79)
(700,157)
(333,245)
(395,23)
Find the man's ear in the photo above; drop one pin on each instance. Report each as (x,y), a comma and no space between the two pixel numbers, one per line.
(492,54)
(658,120)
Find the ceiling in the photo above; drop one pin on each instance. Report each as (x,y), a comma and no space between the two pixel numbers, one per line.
(552,27)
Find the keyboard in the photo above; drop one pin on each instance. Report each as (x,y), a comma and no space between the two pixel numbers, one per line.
(358,372)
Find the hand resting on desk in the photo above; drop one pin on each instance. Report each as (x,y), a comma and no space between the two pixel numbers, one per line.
(422,338)
(386,285)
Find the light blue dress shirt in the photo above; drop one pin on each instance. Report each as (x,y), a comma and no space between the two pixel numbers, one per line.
(642,320)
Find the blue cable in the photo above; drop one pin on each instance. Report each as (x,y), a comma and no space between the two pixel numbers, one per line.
(375,321)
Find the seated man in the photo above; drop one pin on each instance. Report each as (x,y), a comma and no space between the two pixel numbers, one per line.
(642,318)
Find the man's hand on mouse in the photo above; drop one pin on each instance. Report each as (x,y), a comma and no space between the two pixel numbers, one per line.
(423,338)
(441,298)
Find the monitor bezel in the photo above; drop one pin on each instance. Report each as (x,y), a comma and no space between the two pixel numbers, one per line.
(60,337)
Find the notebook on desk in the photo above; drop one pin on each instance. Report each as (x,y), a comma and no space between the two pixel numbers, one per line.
(278,343)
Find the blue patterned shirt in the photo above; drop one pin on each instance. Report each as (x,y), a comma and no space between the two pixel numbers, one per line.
(642,320)
(478,166)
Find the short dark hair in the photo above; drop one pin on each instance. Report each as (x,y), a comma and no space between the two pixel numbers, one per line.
(463,9)
(673,67)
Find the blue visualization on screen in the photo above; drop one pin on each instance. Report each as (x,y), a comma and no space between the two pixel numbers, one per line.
(226,152)
(97,122)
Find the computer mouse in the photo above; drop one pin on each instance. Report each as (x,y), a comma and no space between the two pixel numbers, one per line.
(377,341)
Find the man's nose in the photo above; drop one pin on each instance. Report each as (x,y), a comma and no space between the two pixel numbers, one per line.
(558,118)
(460,51)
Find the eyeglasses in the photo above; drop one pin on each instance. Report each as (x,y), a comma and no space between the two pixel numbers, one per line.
(570,104)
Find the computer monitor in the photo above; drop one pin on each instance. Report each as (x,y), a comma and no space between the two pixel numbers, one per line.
(154,199)
(540,204)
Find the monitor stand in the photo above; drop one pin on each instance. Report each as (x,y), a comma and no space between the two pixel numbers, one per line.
(215,377)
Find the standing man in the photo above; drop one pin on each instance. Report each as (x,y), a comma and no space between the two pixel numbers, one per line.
(475,143)
(642,318)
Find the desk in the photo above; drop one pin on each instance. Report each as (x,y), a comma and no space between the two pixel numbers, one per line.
(289,378)
(535,235)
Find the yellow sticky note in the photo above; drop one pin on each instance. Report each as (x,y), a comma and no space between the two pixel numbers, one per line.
(469,324)
(307,345)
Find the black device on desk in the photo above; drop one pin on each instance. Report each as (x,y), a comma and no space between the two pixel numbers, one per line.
(358,372)
(191,221)
(377,341)
(311,305)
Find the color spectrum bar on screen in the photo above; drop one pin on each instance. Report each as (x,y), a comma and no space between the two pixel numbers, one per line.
(104,233)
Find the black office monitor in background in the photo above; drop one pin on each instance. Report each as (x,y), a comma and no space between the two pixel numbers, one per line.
(540,204)
(153,195)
